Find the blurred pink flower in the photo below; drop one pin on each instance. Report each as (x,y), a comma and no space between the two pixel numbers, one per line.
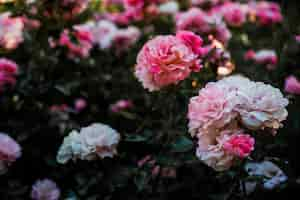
(124,38)
(11,31)
(45,189)
(8,72)
(194,20)
(292,85)
(10,151)
(80,104)
(163,61)
(121,105)
(234,14)
(268,13)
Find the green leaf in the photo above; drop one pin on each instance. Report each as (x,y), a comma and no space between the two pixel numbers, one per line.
(182,144)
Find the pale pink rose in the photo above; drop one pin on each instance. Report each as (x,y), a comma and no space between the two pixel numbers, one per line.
(95,141)
(212,107)
(8,72)
(80,104)
(210,151)
(239,145)
(192,40)
(11,31)
(120,105)
(265,107)
(10,151)
(163,61)
(45,189)
(292,85)
(104,33)
(101,139)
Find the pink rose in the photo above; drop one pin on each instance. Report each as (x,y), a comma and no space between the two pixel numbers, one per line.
(239,145)
(163,61)
(292,85)
(8,72)
(210,108)
(234,14)
(191,39)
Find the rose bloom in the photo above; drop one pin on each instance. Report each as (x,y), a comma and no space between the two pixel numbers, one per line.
(292,85)
(11,31)
(210,151)
(104,33)
(265,107)
(10,151)
(45,190)
(96,140)
(220,149)
(234,14)
(125,38)
(239,145)
(84,42)
(8,72)
(163,61)
(268,13)
(193,20)
(192,40)
(211,108)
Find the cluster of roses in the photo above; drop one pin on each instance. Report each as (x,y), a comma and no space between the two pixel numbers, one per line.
(220,113)
(136,10)
(102,33)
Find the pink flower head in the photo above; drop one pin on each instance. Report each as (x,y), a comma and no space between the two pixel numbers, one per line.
(133,3)
(121,105)
(249,55)
(239,145)
(45,190)
(193,20)
(234,14)
(163,61)
(124,38)
(210,108)
(268,13)
(8,71)
(292,85)
(11,31)
(191,39)
(83,44)
(80,104)
(10,151)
